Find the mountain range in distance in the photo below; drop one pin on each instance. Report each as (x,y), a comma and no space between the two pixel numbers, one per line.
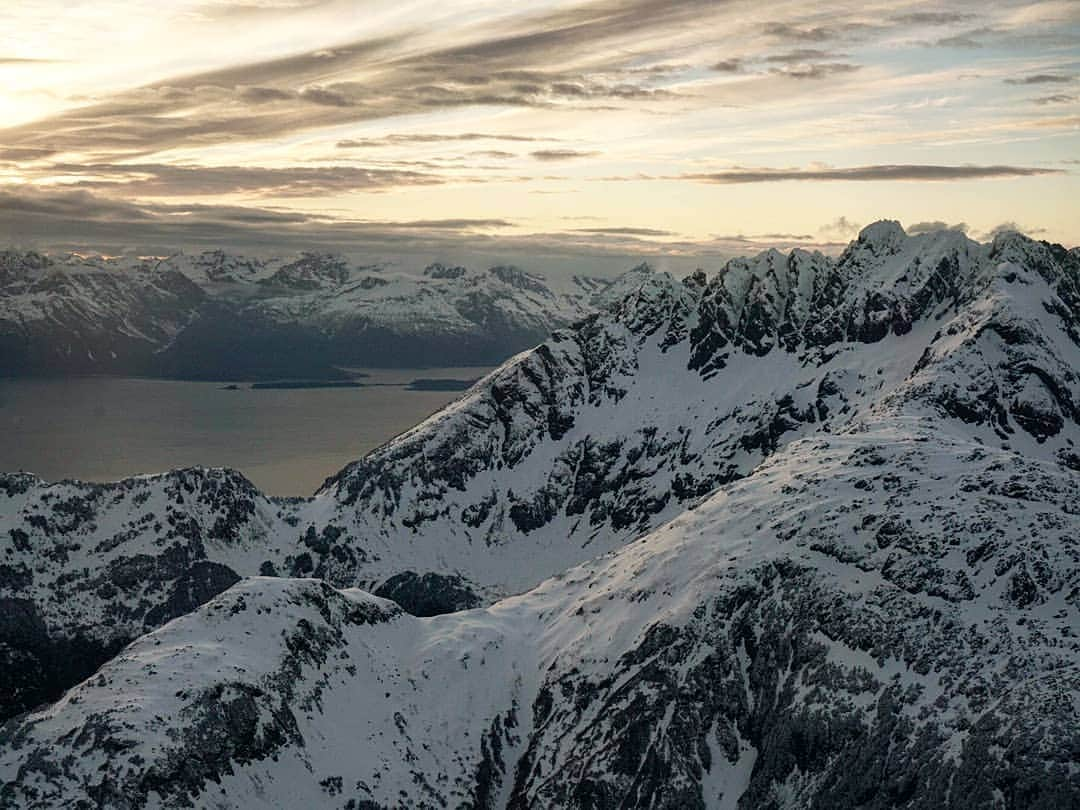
(802,534)
(218,316)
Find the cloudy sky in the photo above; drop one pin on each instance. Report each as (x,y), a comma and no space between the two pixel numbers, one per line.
(584,128)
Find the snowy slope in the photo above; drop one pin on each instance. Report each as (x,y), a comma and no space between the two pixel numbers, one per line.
(80,313)
(838,628)
(852,486)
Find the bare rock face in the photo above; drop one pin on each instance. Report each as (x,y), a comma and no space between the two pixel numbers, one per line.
(428,594)
(801,535)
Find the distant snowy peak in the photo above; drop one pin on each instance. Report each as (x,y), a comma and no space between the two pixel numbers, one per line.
(72,313)
(622,285)
(312,271)
(219,266)
(881,238)
(519,279)
(16,266)
(439,270)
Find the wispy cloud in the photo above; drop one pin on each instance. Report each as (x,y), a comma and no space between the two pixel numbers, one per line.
(24,153)
(68,219)
(399,139)
(728,66)
(820,70)
(328,98)
(975,38)
(1010,227)
(161,180)
(932,17)
(840,228)
(789,32)
(233,9)
(525,62)
(935,225)
(626,231)
(1055,98)
(797,237)
(460,224)
(265,95)
(801,55)
(553,155)
(54,217)
(867,173)
(1041,78)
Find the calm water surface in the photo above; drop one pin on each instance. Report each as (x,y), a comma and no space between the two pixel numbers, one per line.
(286,441)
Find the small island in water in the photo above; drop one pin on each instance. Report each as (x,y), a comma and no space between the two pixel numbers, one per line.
(290,384)
(425,384)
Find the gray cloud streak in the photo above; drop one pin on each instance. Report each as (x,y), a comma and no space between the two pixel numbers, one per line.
(451,224)
(626,231)
(787,31)
(161,179)
(936,225)
(821,70)
(1056,98)
(1042,78)
(866,173)
(803,55)
(728,66)
(414,138)
(233,10)
(932,17)
(553,155)
(327,98)
(29,215)
(841,227)
(71,220)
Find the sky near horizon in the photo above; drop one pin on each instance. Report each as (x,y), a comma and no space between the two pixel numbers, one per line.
(597,128)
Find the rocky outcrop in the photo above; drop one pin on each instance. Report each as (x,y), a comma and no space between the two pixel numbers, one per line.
(428,594)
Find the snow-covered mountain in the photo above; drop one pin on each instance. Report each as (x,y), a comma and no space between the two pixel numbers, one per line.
(217,315)
(800,535)
(83,313)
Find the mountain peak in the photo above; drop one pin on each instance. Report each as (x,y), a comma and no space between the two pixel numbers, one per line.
(311,271)
(517,278)
(885,233)
(440,270)
(696,281)
(1011,241)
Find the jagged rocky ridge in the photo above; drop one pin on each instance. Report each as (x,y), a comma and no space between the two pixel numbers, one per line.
(866,595)
(216,315)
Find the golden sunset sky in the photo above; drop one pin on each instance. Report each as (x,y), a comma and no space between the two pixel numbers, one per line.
(637,128)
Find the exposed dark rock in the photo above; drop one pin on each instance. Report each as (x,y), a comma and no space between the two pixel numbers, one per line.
(196,586)
(428,594)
